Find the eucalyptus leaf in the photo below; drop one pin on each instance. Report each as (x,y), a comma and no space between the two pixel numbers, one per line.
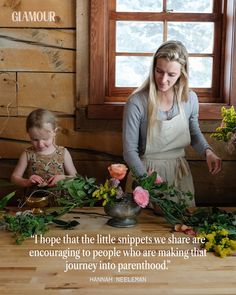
(5,200)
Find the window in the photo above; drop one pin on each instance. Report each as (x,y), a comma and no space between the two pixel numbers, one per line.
(124,35)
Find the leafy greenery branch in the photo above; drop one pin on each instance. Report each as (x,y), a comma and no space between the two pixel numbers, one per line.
(26,224)
(171,200)
(76,192)
(204,218)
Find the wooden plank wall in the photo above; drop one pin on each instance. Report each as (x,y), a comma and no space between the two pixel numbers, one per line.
(45,65)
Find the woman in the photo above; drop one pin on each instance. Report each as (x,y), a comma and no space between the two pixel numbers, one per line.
(161,119)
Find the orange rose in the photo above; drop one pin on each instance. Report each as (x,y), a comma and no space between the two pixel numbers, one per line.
(117,171)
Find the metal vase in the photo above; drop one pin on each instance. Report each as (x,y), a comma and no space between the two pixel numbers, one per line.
(123,213)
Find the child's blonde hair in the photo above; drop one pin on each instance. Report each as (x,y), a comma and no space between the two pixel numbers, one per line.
(38,118)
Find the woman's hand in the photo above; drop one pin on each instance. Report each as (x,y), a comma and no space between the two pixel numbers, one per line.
(213,162)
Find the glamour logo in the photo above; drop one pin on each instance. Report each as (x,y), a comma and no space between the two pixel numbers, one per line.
(33,16)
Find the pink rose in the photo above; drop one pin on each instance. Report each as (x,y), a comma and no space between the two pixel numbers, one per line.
(141,196)
(158,179)
(117,171)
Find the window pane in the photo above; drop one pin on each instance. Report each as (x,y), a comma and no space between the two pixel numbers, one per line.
(200,72)
(197,37)
(139,5)
(201,6)
(131,71)
(132,36)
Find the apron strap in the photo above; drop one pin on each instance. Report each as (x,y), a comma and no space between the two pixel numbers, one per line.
(182,169)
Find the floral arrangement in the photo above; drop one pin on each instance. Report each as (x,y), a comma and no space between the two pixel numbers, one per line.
(217,226)
(227,130)
(111,191)
(148,188)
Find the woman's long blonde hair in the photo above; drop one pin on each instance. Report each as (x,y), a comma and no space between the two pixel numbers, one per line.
(171,51)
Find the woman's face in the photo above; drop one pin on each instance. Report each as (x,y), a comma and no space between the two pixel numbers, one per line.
(166,74)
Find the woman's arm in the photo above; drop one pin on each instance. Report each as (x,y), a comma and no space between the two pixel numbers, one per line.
(199,142)
(131,132)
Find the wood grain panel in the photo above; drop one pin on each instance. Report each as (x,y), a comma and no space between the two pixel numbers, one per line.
(63,39)
(64,10)
(20,56)
(54,91)
(218,189)
(8,94)
(82,53)
(21,274)
(105,142)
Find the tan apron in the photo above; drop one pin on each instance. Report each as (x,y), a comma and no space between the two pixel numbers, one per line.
(166,152)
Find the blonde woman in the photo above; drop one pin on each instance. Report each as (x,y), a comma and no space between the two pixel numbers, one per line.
(161,120)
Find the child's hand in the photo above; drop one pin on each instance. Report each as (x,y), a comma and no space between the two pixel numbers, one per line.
(36,179)
(54,179)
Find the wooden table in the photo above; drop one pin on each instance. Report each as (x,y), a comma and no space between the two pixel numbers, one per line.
(21,273)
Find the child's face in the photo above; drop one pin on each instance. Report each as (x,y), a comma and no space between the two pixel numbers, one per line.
(42,138)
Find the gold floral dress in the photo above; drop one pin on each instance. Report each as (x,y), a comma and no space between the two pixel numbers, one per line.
(45,166)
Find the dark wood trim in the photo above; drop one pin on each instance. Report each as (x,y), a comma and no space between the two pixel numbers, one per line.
(208,111)
(98,40)
(163,16)
(105,111)
(232,95)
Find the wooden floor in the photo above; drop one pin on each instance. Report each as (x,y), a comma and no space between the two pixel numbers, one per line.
(22,274)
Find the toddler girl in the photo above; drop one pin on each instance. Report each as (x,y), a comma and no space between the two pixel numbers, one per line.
(45,162)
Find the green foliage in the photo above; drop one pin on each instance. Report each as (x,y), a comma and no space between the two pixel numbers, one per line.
(171,200)
(76,191)
(218,228)
(228,126)
(25,224)
(204,218)
(5,200)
